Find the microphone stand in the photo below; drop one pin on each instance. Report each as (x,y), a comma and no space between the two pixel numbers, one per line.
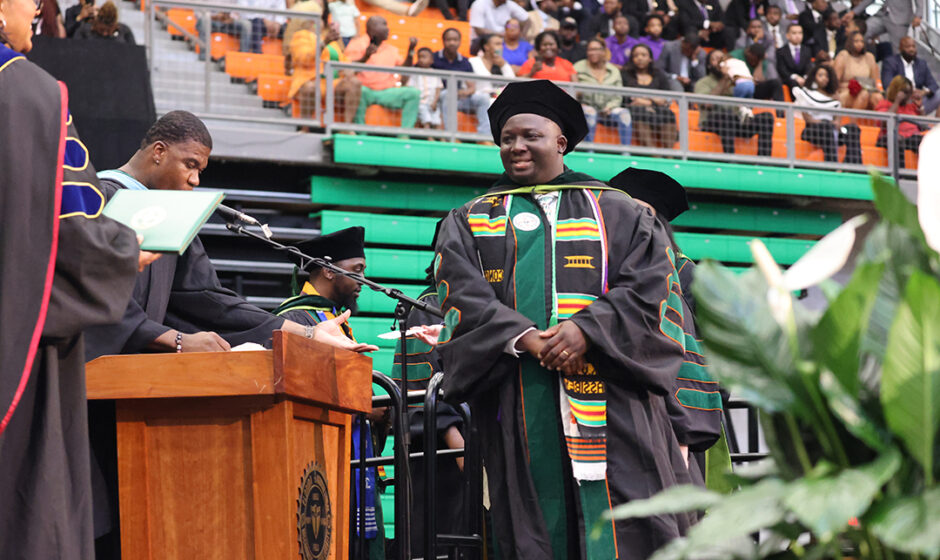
(402,309)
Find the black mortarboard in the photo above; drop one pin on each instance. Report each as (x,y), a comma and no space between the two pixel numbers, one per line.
(655,188)
(340,245)
(543,98)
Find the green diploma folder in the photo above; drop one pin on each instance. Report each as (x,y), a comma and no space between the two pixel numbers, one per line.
(168,220)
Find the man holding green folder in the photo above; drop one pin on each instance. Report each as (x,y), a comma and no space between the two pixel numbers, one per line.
(178,304)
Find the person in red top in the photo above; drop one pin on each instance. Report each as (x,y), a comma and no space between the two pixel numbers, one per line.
(547,65)
(901,99)
(381,88)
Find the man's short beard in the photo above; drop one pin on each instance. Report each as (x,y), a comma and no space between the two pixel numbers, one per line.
(351,302)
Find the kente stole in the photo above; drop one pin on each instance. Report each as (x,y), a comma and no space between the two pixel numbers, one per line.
(558,270)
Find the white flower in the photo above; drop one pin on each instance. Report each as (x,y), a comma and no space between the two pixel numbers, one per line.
(928,188)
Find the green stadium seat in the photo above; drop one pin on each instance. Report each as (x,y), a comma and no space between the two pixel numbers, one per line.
(758,219)
(382,228)
(390,194)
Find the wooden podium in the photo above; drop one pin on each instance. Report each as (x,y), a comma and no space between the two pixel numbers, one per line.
(235,454)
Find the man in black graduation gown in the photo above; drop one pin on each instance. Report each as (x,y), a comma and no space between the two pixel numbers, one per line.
(563,331)
(63,267)
(323,297)
(695,402)
(178,304)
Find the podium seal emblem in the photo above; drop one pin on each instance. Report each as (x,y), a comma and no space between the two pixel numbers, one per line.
(314,514)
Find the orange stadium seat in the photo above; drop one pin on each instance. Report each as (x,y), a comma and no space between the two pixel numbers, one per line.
(273,87)
(248,66)
(376,115)
(606,135)
(222,43)
(427,31)
(466,122)
(910,159)
(272,46)
(872,155)
(704,141)
(183,18)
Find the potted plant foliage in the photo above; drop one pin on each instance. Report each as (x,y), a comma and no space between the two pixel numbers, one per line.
(849,398)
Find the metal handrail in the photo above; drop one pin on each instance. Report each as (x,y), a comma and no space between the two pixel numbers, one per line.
(685,102)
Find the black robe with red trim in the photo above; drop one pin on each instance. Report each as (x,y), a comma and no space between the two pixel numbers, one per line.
(57,277)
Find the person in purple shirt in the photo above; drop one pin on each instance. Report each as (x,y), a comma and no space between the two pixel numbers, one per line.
(653,38)
(515,49)
(620,43)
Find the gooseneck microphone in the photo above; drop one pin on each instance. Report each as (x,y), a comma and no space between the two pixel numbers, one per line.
(231,214)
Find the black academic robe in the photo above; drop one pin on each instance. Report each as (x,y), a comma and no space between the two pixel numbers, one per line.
(180,292)
(63,268)
(309,308)
(630,353)
(423,362)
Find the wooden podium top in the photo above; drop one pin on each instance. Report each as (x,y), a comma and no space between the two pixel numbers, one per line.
(297,367)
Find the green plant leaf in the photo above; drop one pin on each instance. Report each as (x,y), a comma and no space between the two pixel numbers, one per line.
(718,466)
(740,514)
(850,412)
(910,383)
(910,524)
(895,207)
(677,499)
(747,350)
(837,337)
(825,504)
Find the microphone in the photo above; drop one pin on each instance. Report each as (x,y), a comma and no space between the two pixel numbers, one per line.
(230,213)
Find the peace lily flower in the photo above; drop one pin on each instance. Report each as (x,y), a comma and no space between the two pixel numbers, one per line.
(928,188)
(824,259)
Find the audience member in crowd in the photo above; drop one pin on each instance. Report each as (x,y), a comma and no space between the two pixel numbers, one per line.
(766,81)
(776,27)
(902,99)
(755,35)
(516,50)
(795,59)
(813,21)
(894,18)
(305,78)
(492,16)
(462,7)
(857,72)
(468,99)
(683,61)
(572,9)
(546,64)
(429,104)
(572,48)
(262,24)
(740,13)
(346,14)
(906,63)
(705,18)
(542,17)
(78,14)
(601,24)
(639,10)
(819,92)
(380,88)
(790,11)
(49,21)
(653,120)
(620,43)
(106,26)
(599,107)
(490,62)
(400,8)
(231,23)
(654,34)
(740,74)
(835,34)
(312,7)
(723,119)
